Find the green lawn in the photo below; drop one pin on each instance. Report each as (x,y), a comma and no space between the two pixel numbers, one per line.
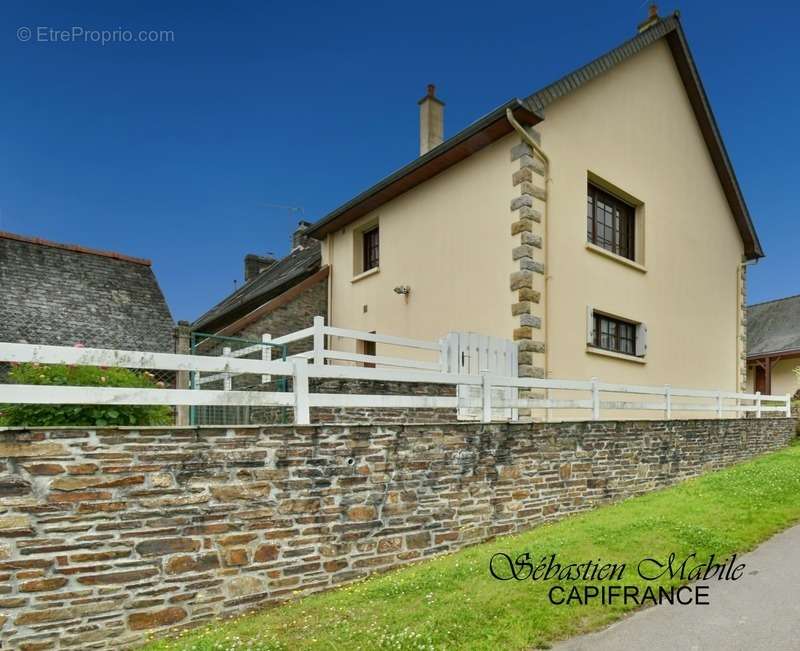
(453,602)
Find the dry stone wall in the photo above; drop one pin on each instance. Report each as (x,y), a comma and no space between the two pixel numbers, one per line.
(108,535)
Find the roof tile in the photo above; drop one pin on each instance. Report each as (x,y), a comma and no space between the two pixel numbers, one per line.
(63,294)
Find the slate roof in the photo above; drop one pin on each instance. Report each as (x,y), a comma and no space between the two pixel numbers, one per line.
(301,263)
(773,327)
(667,28)
(62,294)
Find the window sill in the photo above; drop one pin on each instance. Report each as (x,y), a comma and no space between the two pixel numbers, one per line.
(617,258)
(610,353)
(365,274)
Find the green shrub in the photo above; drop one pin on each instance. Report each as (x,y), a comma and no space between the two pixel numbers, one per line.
(18,415)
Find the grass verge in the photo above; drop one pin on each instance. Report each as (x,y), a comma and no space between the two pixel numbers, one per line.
(452,602)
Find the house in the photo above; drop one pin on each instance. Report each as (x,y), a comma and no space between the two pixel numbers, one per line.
(63,294)
(277,297)
(597,222)
(773,346)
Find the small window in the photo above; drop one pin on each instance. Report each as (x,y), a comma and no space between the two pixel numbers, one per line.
(613,334)
(610,222)
(371,249)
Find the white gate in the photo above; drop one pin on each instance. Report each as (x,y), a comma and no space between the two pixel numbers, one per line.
(469,353)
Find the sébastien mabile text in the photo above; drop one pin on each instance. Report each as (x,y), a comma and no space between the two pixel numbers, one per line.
(596,581)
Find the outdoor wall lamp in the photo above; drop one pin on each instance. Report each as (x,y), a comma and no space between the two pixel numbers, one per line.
(402,289)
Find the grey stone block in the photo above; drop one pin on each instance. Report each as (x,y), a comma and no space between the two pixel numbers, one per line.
(520,150)
(532,240)
(519,202)
(530,320)
(522,251)
(528,264)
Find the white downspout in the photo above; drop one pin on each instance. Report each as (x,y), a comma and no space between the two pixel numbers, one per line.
(538,150)
(329,246)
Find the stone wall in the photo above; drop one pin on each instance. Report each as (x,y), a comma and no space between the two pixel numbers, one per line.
(359,415)
(295,314)
(234,416)
(108,535)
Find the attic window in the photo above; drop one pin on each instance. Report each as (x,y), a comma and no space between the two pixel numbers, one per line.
(610,222)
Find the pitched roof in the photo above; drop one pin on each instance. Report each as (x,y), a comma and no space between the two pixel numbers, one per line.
(488,129)
(299,264)
(534,109)
(773,327)
(62,294)
(670,29)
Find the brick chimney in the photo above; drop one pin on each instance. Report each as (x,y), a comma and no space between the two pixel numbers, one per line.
(431,121)
(652,19)
(299,236)
(255,264)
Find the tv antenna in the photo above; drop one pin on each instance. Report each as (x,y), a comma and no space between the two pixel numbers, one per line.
(292,210)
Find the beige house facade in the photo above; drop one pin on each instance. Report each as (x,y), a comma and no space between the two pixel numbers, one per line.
(597,223)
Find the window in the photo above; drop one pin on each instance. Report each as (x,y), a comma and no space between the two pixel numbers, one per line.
(613,334)
(371,249)
(610,222)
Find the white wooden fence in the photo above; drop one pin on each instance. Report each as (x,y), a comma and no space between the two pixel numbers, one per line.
(663,399)
(318,353)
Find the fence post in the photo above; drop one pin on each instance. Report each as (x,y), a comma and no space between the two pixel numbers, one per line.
(443,356)
(595,400)
(486,398)
(266,354)
(227,383)
(319,340)
(719,404)
(182,378)
(758,404)
(302,414)
(668,401)
(788,405)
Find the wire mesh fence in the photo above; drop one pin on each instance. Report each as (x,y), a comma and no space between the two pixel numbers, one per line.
(201,344)
(68,374)
(242,348)
(5,369)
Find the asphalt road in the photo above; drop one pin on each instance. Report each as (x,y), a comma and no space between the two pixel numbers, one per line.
(761,611)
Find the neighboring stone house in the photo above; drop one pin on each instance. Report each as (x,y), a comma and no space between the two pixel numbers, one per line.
(773,346)
(598,222)
(62,294)
(277,297)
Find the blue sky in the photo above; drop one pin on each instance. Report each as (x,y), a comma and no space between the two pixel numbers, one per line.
(178,151)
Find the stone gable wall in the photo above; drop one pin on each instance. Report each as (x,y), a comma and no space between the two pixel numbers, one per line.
(296,314)
(107,536)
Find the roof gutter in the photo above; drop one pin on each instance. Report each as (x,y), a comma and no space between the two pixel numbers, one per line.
(789,352)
